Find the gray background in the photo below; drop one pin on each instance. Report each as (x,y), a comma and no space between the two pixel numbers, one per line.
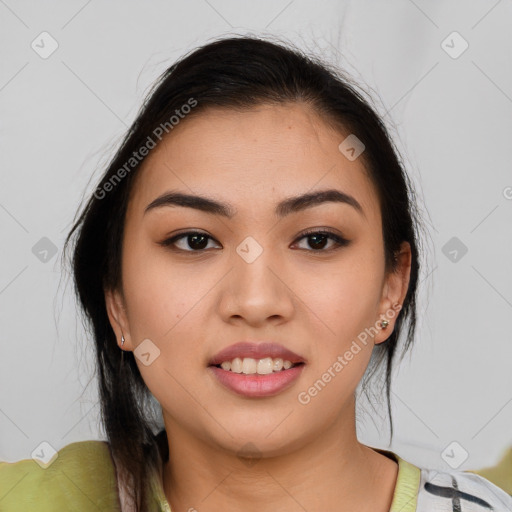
(451,116)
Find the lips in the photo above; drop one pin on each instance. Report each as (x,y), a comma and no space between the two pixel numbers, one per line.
(255,351)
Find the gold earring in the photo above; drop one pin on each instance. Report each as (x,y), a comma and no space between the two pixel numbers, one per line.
(384,324)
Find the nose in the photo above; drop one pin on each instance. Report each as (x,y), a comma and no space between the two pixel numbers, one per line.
(257,291)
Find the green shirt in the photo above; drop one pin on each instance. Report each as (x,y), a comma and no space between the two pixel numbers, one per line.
(83,477)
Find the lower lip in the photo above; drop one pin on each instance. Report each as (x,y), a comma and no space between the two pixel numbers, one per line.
(256,385)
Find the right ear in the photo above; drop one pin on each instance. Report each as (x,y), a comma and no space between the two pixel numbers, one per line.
(118,318)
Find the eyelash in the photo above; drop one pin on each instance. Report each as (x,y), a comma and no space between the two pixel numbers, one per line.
(340,241)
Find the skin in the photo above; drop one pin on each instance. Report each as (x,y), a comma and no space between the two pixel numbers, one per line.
(193,304)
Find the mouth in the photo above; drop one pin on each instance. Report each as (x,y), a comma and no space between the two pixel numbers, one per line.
(256,370)
(257,377)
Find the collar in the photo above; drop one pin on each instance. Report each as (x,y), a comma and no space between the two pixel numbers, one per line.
(405,497)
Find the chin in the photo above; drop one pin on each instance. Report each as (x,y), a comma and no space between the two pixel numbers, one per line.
(253,442)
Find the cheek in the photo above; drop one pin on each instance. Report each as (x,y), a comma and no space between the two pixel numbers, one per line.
(162,306)
(166,304)
(344,312)
(343,300)
(159,295)
(342,306)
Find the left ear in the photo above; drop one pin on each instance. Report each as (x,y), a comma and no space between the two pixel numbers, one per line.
(394,292)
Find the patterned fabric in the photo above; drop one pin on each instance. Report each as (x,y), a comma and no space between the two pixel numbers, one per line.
(429,490)
(457,491)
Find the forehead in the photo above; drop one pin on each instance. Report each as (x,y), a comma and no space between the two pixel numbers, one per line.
(253,158)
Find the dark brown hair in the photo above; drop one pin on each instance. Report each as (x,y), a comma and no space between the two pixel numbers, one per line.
(232,73)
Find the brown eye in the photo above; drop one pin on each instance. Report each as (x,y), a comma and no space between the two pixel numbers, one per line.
(318,240)
(192,241)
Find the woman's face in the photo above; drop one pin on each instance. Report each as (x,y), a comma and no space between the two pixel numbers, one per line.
(254,277)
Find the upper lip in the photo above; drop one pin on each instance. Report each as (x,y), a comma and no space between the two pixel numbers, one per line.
(255,351)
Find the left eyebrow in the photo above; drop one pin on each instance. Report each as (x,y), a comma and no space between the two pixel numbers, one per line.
(287,206)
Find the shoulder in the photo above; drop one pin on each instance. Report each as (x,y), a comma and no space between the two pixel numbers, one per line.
(441,491)
(79,476)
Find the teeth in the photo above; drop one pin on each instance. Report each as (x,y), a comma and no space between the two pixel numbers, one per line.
(236,365)
(278,364)
(250,366)
(265,366)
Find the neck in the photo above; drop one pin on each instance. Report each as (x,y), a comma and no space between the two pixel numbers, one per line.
(333,471)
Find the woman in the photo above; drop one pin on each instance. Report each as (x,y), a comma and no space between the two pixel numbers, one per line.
(249,260)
